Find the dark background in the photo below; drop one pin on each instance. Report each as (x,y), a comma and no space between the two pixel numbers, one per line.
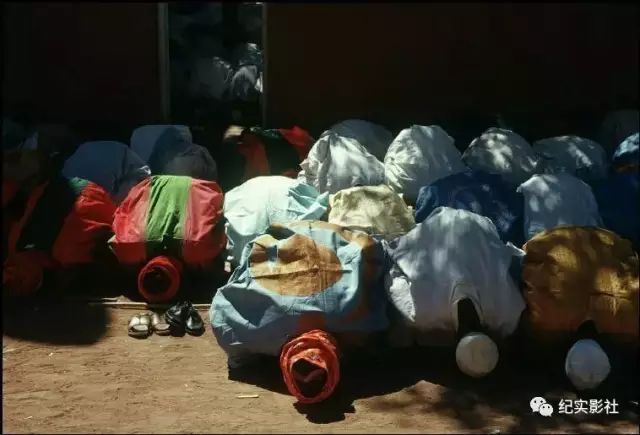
(398,64)
(95,66)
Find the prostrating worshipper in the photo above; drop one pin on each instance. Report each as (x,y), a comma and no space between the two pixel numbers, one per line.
(168,225)
(553,200)
(169,150)
(618,195)
(581,287)
(338,162)
(450,285)
(505,153)
(62,232)
(256,204)
(262,152)
(580,157)
(30,158)
(144,138)
(307,292)
(374,138)
(420,155)
(481,193)
(109,164)
(376,210)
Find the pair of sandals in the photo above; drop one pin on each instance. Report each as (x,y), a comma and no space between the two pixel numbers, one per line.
(180,318)
(183,317)
(144,324)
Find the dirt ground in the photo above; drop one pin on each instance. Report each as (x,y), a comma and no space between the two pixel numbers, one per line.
(75,369)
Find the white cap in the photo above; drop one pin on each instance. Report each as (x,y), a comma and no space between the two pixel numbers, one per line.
(586,365)
(476,355)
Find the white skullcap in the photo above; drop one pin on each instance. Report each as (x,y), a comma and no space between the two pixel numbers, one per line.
(476,354)
(586,365)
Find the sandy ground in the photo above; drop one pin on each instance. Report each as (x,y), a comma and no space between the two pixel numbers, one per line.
(74,369)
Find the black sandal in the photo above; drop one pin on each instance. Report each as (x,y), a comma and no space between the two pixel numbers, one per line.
(194,324)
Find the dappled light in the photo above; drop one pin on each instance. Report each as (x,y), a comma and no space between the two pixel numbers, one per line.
(335,163)
(574,274)
(418,156)
(552,200)
(502,152)
(576,155)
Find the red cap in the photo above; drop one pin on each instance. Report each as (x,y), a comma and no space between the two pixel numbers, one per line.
(319,349)
(169,270)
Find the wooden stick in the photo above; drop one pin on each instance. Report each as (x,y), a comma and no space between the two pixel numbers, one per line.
(140,305)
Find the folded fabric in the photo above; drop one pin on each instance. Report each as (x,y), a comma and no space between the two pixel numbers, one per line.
(453,255)
(553,200)
(479,192)
(502,152)
(336,162)
(319,351)
(296,278)
(617,126)
(66,222)
(109,164)
(627,155)
(377,210)
(144,139)
(418,156)
(575,155)
(575,274)
(374,138)
(256,204)
(170,215)
(617,198)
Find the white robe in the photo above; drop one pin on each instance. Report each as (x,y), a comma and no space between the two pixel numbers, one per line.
(452,255)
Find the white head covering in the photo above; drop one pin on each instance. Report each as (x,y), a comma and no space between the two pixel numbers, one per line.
(476,354)
(586,365)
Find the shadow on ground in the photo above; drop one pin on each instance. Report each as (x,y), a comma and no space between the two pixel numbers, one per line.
(55,323)
(476,404)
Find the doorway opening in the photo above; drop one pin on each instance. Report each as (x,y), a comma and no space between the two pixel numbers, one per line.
(215,52)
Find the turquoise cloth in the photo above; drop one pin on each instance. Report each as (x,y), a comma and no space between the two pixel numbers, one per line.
(319,276)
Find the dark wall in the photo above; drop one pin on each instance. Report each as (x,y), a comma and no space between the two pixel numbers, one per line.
(412,63)
(81,62)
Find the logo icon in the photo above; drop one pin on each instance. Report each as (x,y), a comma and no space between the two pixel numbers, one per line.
(540,405)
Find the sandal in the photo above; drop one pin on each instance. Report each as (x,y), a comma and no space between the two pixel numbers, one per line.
(139,326)
(194,324)
(159,325)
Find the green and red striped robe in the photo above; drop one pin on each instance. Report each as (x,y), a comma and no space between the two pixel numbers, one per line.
(170,215)
(67,218)
(64,224)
